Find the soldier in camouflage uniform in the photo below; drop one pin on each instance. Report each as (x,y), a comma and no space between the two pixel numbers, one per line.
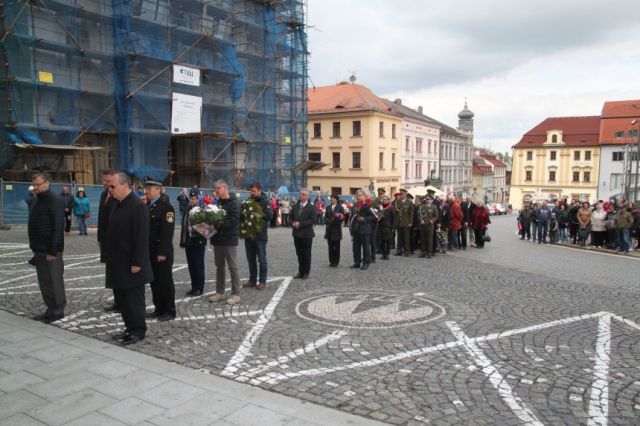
(428,214)
(404,223)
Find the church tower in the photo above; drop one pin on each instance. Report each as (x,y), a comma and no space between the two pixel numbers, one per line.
(465,122)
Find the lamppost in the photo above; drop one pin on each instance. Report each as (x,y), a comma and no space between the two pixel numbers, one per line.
(635,189)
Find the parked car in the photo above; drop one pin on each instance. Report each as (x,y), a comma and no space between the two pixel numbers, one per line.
(493,209)
(502,209)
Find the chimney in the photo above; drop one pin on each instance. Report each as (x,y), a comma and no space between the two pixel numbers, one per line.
(398,101)
(420,109)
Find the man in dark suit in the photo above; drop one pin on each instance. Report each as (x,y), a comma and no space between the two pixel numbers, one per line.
(468,206)
(361,229)
(104,209)
(127,257)
(302,219)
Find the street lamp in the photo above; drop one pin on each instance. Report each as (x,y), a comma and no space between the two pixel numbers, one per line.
(635,192)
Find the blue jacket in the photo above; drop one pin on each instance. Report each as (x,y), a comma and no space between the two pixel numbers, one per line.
(81,206)
(543,214)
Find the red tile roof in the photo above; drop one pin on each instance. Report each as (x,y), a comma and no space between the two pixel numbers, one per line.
(344,97)
(491,158)
(576,131)
(480,170)
(617,117)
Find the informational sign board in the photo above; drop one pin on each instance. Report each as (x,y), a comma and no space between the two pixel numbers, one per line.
(186,114)
(186,75)
(45,77)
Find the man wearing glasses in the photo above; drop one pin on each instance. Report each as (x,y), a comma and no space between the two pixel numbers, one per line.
(46,239)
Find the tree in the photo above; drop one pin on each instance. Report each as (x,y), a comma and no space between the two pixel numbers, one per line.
(507,157)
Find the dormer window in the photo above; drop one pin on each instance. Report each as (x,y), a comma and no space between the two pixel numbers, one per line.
(554,138)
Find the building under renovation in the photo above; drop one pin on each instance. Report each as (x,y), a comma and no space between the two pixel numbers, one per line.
(186,91)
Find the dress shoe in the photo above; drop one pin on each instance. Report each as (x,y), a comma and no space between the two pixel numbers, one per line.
(233,299)
(355,265)
(304,277)
(364,266)
(41,317)
(120,336)
(261,286)
(52,318)
(131,339)
(217,297)
(111,308)
(194,293)
(248,284)
(153,314)
(298,275)
(166,317)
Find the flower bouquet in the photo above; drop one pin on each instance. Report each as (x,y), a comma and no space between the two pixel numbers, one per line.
(251,219)
(204,220)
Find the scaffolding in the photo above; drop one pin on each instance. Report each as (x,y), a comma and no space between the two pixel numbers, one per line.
(100,73)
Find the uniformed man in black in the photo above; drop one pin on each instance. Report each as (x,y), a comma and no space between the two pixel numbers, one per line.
(161,226)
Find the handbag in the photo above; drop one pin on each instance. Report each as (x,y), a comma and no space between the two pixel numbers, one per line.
(487,238)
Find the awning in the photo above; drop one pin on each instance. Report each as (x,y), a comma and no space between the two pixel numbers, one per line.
(310,165)
(59,147)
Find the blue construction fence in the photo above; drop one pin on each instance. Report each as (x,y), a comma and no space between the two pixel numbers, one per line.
(15,209)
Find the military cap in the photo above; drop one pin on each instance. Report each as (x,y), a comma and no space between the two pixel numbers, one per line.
(403,190)
(194,192)
(381,190)
(409,196)
(151,182)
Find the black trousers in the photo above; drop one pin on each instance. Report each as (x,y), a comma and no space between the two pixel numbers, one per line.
(374,246)
(195,260)
(132,307)
(334,251)
(303,251)
(479,234)
(462,236)
(525,231)
(67,222)
(361,248)
(404,239)
(163,289)
(385,247)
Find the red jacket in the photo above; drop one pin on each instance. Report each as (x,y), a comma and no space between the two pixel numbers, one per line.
(480,218)
(455,218)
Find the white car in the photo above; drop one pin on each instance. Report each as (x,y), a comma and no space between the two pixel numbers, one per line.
(501,208)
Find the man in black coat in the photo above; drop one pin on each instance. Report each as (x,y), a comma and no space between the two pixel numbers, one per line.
(302,218)
(362,222)
(46,240)
(467,206)
(127,257)
(104,210)
(162,224)
(257,248)
(67,201)
(225,245)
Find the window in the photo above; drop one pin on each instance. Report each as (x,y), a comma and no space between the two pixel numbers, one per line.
(587,155)
(576,176)
(406,169)
(554,138)
(418,169)
(336,129)
(576,155)
(354,191)
(586,176)
(335,161)
(314,156)
(336,190)
(552,176)
(382,129)
(552,155)
(381,160)
(429,146)
(529,155)
(355,160)
(616,180)
(393,160)
(393,131)
(527,175)
(633,133)
(619,134)
(407,143)
(356,128)
(617,156)
(317,130)
(315,188)
(418,144)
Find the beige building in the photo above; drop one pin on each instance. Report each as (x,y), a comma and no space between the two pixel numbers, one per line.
(357,136)
(559,158)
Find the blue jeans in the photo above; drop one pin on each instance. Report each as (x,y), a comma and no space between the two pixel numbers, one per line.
(82,225)
(534,230)
(256,249)
(543,227)
(624,241)
(563,235)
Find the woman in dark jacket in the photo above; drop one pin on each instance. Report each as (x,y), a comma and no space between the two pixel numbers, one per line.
(333,217)
(479,221)
(385,227)
(194,247)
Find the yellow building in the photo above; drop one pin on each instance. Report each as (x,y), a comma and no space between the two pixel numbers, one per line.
(559,158)
(355,134)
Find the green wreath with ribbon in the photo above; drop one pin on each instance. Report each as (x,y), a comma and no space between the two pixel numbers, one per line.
(251,219)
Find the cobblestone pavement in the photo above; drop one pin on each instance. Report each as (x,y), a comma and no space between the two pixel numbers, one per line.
(513,333)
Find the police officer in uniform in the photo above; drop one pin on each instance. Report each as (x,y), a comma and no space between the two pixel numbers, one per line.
(194,246)
(161,227)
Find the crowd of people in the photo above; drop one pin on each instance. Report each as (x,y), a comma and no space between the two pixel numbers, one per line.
(612,224)
(136,230)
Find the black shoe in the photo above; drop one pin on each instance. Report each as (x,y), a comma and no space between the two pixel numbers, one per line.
(422,255)
(41,317)
(298,275)
(364,266)
(304,277)
(120,336)
(355,265)
(52,318)
(112,308)
(428,256)
(398,253)
(153,314)
(166,317)
(194,293)
(131,339)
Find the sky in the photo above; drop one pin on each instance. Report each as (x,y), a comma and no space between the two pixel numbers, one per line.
(517,62)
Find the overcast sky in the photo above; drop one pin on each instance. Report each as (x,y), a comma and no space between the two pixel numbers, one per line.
(517,62)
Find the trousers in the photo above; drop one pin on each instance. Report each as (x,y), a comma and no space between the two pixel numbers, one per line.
(226,256)
(163,289)
(132,307)
(256,249)
(361,248)
(50,279)
(195,261)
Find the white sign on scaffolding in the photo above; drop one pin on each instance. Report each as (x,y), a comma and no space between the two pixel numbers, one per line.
(186,114)
(186,75)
